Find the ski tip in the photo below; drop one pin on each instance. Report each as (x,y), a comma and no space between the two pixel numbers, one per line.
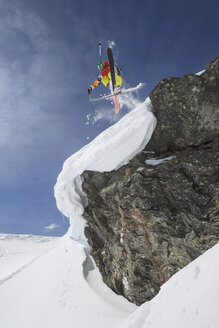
(116,102)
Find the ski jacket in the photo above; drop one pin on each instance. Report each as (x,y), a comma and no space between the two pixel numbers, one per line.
(105,77)
(106,69)
(102,76)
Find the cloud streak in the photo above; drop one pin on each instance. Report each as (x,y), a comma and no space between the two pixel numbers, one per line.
(51,227)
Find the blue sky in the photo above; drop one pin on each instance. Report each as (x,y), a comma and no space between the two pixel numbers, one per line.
(48,58)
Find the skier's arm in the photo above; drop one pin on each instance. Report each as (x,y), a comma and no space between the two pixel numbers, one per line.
(100,77)
(94,85)
(104,73)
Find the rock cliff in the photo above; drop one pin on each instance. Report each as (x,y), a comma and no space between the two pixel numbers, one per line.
(155,215)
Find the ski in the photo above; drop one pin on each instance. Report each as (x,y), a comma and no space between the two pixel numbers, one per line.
(111,64)
(115,92)
(113,78)
(119,92)
(116,102)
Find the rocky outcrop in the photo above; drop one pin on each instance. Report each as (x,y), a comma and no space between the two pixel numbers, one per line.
(150,218)
(186,110)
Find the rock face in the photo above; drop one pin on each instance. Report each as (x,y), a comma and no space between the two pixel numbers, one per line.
(186,110)
(147,221)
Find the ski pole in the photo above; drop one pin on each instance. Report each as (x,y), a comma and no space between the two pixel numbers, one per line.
(92,105)
(100,50)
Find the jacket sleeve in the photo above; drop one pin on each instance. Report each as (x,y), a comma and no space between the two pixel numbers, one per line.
(100,77)
(95,84)
(105,72)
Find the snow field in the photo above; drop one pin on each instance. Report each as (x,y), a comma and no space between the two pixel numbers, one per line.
(18,251)
(52,290)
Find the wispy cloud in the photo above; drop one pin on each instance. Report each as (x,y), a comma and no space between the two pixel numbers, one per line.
(37,85)
(51,227)
(32,79)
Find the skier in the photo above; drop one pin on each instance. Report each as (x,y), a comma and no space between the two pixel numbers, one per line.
(105,76)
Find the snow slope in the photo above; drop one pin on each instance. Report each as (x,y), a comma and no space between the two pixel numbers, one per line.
(47,286)
(18,251)
(189,299)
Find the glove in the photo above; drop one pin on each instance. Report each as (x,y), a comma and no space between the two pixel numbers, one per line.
(89,90)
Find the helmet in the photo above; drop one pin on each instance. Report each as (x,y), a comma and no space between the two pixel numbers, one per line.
(100,65)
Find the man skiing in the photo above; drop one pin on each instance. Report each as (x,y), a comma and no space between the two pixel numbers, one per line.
(105,76)
(111,78)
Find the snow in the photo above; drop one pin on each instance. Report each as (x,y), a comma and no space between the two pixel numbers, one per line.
(17,251)
(45,283)
(200,73)
(110,150)
(189,299)
(155,161)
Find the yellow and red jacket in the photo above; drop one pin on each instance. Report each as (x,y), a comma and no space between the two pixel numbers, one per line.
(105,77)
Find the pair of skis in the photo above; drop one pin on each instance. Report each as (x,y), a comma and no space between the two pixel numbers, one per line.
(119,92)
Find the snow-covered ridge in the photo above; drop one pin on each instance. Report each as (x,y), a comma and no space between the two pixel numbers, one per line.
(110,150)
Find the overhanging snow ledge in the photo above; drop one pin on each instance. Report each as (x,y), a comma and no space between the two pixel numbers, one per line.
(110,150)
